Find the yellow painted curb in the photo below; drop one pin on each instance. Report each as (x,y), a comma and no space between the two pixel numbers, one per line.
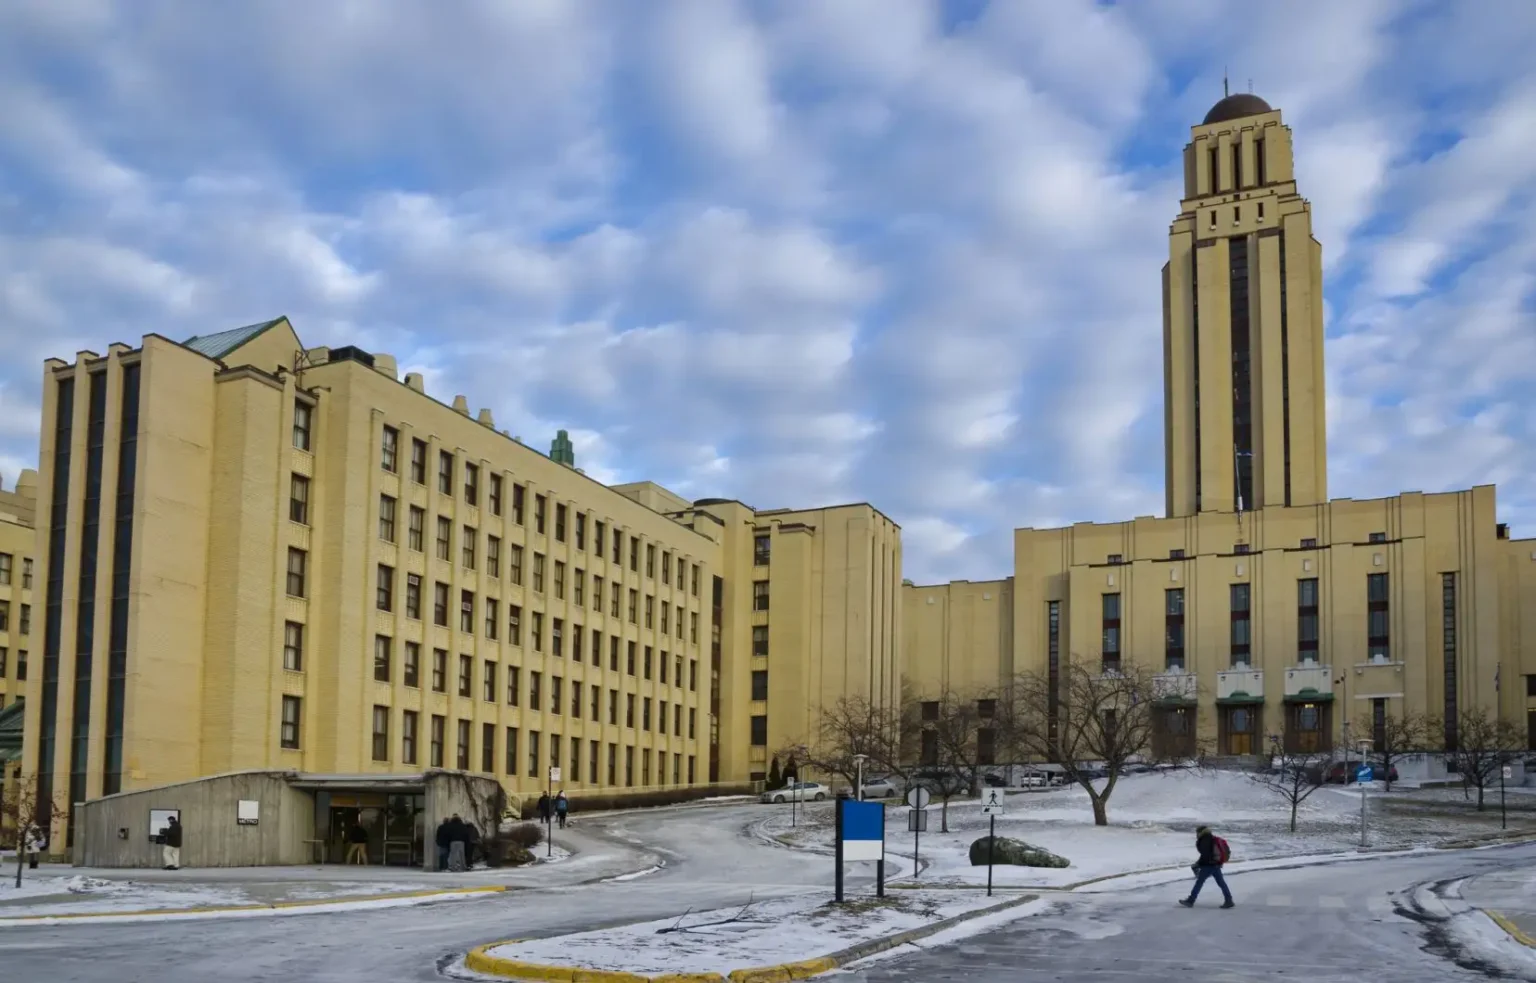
(1510,927)
(311,903)
(480,960)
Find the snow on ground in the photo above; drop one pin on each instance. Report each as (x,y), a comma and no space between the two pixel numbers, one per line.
(760,934)
(1152,824)
(1480,938)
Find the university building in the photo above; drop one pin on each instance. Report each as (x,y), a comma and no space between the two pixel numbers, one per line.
(261,557)
(1274,614)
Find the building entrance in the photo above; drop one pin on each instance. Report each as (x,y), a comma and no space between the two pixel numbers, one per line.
(375,828)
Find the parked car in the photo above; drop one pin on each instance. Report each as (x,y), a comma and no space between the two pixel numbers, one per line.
(1337,775)
(799,791)
(994,781)
(1033,779)
(881,788)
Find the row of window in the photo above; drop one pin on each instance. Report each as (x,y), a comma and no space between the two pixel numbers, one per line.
(7,566)
(1306,544)
(1378,640)
(512,760)
(23,623)
(21,662)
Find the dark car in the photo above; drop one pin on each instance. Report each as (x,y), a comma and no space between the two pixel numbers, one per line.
(1338,775)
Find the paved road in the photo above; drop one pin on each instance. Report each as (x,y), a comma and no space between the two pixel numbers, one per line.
(1319,924)
(1330,924)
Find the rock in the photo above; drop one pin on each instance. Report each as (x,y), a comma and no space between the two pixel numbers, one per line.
(1016,853)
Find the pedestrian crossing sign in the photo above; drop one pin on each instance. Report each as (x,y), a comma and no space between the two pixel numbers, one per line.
(992,802)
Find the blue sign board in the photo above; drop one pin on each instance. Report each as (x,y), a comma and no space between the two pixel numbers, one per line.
(863,830)
(1363,774)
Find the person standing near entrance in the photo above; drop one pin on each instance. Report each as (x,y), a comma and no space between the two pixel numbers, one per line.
(170,843)
(357,844)
(562,806)
(544,807)
(458,844)
(1214,852)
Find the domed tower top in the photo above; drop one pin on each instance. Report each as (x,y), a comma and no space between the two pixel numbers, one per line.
(1236,106)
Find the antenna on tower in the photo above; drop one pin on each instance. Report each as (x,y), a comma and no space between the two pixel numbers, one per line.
(1226,90)
(1250,86)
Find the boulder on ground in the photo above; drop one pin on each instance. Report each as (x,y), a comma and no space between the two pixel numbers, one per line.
(1014,852)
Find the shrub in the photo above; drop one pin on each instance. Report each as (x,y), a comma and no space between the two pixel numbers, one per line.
(516,856)
(525,835)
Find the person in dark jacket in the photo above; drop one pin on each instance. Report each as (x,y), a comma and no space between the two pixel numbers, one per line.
(544,807)
(444,838)
(562,807)
(458,843)
(170,842)
(1208,866)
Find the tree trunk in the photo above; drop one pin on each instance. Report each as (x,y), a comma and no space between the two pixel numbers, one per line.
(1386,770)
(20,852)
(1100,813)
(1479,798)
(944,816)
(1295,803)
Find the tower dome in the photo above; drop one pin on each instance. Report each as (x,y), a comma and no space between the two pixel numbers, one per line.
(1236,106)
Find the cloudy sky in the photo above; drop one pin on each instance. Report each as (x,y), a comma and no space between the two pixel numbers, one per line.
(793,251)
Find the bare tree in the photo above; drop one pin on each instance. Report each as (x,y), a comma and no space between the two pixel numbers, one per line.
(958,739)
(853,726)
(1398,737)
(23,809)
(1294,777)
(1484,743)
(1094,717)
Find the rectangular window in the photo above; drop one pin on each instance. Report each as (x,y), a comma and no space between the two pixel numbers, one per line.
(1242,632)
(292,713)
(986,746)
(1110,650)
(693,625)
(511,760)
(613,653)
(1448,649)
(413,596)
(383,647)
(540,504)
(599,535)
(629,710)
(436,750)
(759,684)
(439,670)
(440,604)
(760,730)
(581,544)
(629,664)
(1173,628)
(384,589)
(298,567)
(650,560)
(1377,632)
(461,759)
(555,705)
(514,677)
(559,580)
(634,606)
(560,513)
(387,506)
(408,722)
(613,707)
(488,681)
(629,765)
(466,676)
(556,636)
(298,499)
(645,713)
(533,754)
(467,542)
(444,473)
(760,595)
(293,647)
(5,568)
(597,700)
(444,537)
(488,747)
(536,631)
(663,667)
(1306,622)
(389,451)
(538,573)
(693,723)
(412,667)
(693,675)
(614,609)
(634,553)
(648,662)
(418,461)
(472,484)
(576,698)
(579,581)
(492,618)
(693,587)
(762,548)
(515,564)
(380,733)
(1242,384)
(303,417)
(592,747)
(519,494)
(496,484)
(650,611)
(1052,669)
(416,532)
(515,624)
(493,556)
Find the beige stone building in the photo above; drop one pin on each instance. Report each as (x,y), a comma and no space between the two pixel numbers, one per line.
(264,557)
(1272,612)
(18,508)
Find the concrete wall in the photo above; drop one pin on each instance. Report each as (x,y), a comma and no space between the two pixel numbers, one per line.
(474,797)
(210,837)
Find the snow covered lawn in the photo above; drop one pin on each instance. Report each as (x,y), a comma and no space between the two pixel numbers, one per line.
(75,894)
(760,934)
(1152,824)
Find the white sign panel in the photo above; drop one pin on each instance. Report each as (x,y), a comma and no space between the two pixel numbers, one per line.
(918,798)
(1508,772)
(992,802)
(554,773)
(247,812)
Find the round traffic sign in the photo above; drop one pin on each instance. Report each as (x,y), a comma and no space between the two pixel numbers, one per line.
(918,798)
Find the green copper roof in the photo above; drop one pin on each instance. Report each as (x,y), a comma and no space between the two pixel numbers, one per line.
(561,450)
(221,344)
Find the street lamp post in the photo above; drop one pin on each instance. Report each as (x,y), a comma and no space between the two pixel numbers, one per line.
(858,767)
(1365,747)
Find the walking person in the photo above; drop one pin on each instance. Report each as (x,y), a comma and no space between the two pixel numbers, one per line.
(33,843)
(562,807)
(544,808)
(357,844)
(443,838)
(458,844)
(1214,853)
(170,844)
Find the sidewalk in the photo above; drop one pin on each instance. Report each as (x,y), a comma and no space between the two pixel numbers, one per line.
(1509,895)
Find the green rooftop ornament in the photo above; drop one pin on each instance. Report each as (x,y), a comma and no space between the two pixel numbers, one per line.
(562,451)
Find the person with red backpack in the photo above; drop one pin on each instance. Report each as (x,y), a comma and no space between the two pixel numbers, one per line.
(1214,853)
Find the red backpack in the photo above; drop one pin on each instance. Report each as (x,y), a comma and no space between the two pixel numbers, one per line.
(1221,850)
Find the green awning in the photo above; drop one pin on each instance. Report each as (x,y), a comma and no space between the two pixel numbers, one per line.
(1308,695)
(1238,699)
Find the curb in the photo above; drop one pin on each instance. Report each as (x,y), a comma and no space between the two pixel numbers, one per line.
(271,906)
(1510,927)
(480,959)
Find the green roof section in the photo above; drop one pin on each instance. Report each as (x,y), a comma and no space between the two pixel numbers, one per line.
(562,451)
(221,344)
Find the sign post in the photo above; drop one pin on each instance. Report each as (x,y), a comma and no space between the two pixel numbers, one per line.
(1363,775)
(554,778)
(860,836)
(917,819)
(991,807)
(1505,773)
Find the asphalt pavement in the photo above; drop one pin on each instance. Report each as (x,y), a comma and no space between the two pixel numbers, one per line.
(1323,924)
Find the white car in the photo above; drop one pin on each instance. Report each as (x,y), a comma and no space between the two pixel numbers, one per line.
(1033,779)
(880,788)
(799,791)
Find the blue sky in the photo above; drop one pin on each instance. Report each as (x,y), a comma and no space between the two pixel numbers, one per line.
(797,253)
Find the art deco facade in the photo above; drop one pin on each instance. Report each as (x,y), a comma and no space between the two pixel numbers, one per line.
(17,551)
(257,556)
(1272,612)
